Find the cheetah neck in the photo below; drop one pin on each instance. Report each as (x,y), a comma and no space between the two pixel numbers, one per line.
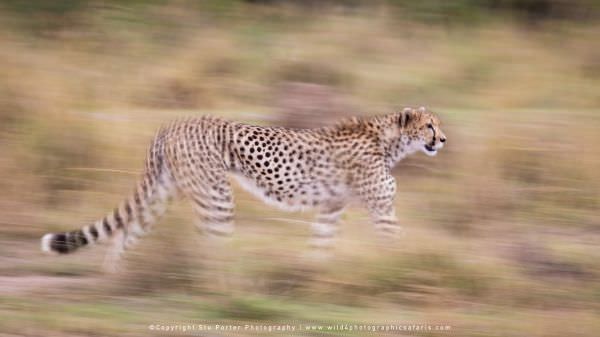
(400,149)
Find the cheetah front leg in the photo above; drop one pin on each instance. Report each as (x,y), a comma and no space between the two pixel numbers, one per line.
(324,229)
(377,191)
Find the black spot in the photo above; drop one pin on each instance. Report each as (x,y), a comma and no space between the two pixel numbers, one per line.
(94,231)
(106,226)
(71,241)
(118,219)
(128,210)
(81,239)
(59,243)
(136,198)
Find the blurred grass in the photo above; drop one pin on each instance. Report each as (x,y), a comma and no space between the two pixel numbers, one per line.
(502,225)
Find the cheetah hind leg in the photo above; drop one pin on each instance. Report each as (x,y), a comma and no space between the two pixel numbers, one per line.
(213,208)
(112,262)
(123,240)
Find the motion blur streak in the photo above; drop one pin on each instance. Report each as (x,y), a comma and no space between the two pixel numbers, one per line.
(502,227)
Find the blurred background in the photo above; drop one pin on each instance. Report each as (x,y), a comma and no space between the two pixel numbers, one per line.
(502,226)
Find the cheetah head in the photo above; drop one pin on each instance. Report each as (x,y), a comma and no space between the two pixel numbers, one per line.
(421,131)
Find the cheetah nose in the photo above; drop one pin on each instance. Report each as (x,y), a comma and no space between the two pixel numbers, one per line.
(443,139)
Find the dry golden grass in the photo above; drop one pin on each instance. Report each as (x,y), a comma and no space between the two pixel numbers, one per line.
(502,225)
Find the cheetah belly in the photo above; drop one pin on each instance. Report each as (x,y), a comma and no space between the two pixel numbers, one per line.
(251,186)
(314,194)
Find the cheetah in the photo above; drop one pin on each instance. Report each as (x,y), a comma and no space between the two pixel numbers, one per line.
(293,169)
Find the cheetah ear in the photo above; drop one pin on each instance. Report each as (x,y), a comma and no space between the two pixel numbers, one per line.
(406,116)
(422,109)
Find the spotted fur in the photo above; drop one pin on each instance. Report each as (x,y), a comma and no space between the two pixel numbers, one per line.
(292,169)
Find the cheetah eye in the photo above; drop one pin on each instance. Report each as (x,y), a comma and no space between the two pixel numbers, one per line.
(429,125)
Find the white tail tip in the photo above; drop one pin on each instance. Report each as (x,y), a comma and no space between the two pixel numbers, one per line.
(46,240)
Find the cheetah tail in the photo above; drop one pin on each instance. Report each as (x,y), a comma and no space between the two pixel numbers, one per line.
(133,217)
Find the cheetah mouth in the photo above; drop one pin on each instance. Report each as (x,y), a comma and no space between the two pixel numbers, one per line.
(430,150)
